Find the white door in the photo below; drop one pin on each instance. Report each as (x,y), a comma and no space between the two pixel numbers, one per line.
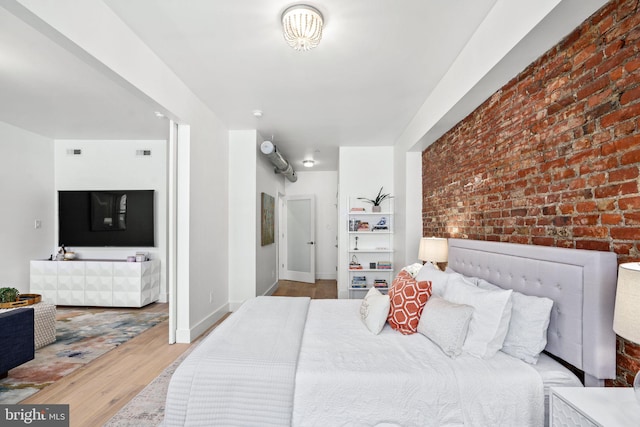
(297,234)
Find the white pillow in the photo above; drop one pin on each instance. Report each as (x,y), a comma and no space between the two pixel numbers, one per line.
(374,310)
(413,269)
(490,319)
(527,334)
(438,278)
(446,324)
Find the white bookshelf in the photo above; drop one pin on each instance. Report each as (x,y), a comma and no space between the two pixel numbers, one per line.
(372,247)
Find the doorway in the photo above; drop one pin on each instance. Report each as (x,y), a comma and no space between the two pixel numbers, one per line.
(297,238)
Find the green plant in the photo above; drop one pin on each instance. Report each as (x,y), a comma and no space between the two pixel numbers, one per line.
(9,294)
(379,198)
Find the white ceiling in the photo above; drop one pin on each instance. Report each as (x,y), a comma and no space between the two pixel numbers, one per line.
(377,63)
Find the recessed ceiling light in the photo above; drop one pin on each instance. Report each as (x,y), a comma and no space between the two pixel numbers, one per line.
(257,113)
(308,163)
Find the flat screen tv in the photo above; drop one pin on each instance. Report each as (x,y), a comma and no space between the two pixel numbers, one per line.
(106,218)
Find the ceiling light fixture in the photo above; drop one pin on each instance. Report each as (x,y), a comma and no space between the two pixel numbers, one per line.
(308,163)
(302,26)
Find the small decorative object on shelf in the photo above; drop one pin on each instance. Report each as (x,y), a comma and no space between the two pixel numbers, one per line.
(378,200)
(363,226)
(354,264)
(381,225)
(356,247)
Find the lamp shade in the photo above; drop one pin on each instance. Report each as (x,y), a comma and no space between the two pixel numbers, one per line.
(433,249)
(626,317)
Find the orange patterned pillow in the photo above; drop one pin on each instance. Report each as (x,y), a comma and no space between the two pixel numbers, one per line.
(407,297)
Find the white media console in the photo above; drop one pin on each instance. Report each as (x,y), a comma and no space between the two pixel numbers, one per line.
(104,283)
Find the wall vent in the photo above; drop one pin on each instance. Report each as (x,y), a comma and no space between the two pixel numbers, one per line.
(143,152)
(74,152)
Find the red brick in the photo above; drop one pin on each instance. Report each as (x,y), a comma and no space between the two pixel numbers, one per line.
(592,245)
(587,206)
(632,218)
(600,232)
(620,115)
(629,203)
(616,190)
(632,157)
(626,233)
(611,219)
(623,174)
(630,95)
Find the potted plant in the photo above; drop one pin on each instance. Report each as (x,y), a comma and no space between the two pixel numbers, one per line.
(377,201)
(8,295)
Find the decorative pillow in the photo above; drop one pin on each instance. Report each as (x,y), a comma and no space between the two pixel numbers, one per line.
(374,310)
(527,334)
(407,298)
(438,278)
(446,324)
(490,319)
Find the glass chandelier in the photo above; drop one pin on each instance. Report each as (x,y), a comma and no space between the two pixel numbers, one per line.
(302,27)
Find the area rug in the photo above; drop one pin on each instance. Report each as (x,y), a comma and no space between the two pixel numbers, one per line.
(147,408)
(82,335)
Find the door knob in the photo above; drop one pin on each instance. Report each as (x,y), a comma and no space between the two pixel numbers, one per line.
(309,243)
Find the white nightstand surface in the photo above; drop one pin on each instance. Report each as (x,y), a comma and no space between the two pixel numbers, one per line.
(607,406)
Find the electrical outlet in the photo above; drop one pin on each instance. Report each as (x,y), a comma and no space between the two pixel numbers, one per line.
(37,224)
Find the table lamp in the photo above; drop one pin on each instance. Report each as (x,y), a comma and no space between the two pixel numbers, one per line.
(626,316)
(433,249)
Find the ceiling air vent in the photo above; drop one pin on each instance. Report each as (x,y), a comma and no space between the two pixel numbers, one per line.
(74,152)
(143,152)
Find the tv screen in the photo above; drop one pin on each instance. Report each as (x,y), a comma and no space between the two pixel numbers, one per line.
(106,218)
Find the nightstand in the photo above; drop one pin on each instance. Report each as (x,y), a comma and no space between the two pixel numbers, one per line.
(593,406)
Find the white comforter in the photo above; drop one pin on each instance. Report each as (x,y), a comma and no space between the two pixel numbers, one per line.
(244,374)
(349,377)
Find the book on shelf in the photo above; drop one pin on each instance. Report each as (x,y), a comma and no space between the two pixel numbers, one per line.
(380,283)
(384,265)
(357,209)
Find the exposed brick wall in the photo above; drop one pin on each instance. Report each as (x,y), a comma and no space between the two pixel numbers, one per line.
(553,157)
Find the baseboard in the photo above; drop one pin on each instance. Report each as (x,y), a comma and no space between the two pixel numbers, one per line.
(272,288)
(189,335)
(326,276)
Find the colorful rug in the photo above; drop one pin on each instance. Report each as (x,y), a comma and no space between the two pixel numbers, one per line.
(82,335)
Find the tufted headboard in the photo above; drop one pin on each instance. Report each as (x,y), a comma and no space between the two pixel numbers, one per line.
(581,283)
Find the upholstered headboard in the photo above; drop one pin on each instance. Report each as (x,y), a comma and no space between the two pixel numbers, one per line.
(581,283)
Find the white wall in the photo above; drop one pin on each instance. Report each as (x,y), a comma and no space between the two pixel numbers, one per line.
(266,256)
(242,217)
(361,173)
(97,35)
(114,165)
(252,267)
(324,185)
(26,188)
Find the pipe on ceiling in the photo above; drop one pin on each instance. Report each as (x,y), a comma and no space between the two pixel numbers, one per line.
(281,164)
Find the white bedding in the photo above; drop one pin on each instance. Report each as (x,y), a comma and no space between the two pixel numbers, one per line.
(265,366)
(347,376)
(243,373)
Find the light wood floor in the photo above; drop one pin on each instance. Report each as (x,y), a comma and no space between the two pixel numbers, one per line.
(97,391)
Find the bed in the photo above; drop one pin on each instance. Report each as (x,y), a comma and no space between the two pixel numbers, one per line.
(292,361)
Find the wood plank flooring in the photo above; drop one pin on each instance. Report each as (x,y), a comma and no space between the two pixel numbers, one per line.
(101,388)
